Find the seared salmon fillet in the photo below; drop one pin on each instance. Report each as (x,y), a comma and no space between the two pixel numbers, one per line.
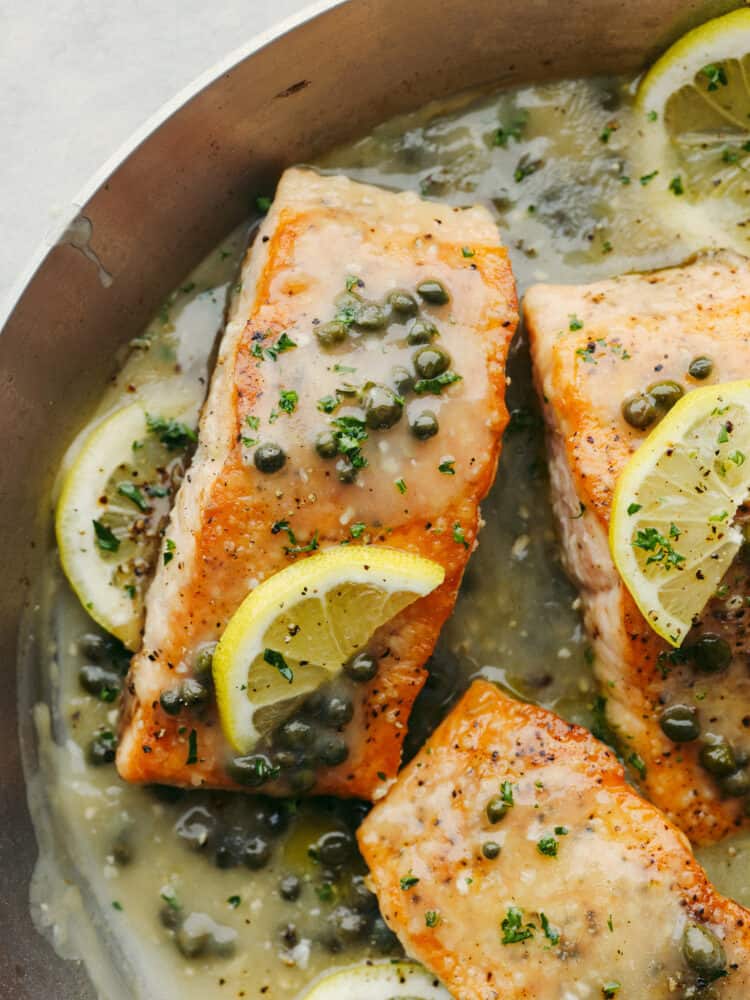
(593,347)
(317,343)
(513,859)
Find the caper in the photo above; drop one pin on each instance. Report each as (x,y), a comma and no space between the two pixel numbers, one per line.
(371,316)
(194,692)
(102,748)
(703,951)
(253,770)
(290,888)
(359,896)
(285,759)
(269,457)
(204,661)
(490,850)
(171,701)
(334,848)
(332,750)
(640,411)
(383,408)
(101,681)
(430,362)
(94,647)
(665,394)
(403,380)
(717,756)
(332,333)
(382,938)
(679,723)
(197,826)
(270,815)
(325,444)
(338,710)
(496,809)
(737,784)
(425,425)
(710,653)
(346,471)
(421,331)
(169,917)
(434,291)
(361,667)
(257,853)
(302,780)
(230,847)
(403,302)
(348,924)
(700,367)
(296,734)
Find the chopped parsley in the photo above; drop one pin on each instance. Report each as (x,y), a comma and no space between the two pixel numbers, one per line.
(611,923)
(716,76)
(458,535)
(561,831)
(548,846)
(170,898)
(652,116)
(606,132)
(408,882)
(288,400)
(574,322)
(294,548)
(327,404)
(633,508)
(234,901)
(437,384)
(192,757)
(647,178)
(513,130)
(660,548)
(275,659)
(550,932)
(401,486)
(636,761)
(724,432)
(676,185)
(467,252)
(169,551)
(432,918)
(263,203)
(171,433)
(506,793)
(738,457)
(357,529)
(116,904)
(513,928)
(446,467)
(131,492)
(526,166)
(325,892)
(105,538)
(610,988)
(352,282)
(349,434)
(252,422)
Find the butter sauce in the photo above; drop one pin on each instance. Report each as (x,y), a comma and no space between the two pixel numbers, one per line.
(552,162)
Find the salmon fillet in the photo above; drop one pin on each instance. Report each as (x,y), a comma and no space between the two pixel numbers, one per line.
(325,241)
(591,892)
(592,347)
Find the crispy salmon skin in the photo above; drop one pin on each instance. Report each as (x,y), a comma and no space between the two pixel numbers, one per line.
(593,347)
(513,859)
(330,249)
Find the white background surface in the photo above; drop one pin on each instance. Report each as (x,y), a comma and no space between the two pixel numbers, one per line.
(77,77)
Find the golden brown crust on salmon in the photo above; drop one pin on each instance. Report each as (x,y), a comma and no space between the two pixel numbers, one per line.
(593,347)
(321,231)
(591,885)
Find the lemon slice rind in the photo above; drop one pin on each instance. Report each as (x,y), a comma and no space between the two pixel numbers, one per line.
(701,207)
(671,535)
(315,613)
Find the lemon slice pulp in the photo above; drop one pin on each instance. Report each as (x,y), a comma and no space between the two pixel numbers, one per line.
(671,531)
(695,104)
(296,630)
(113,503)
(379,981)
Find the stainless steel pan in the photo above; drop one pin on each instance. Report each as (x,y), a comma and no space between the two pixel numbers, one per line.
(169,197)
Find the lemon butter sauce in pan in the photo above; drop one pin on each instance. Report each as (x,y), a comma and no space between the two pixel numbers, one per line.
(215,894)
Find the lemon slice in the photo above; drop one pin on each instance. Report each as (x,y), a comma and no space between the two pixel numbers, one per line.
(296,630)
(379,981)
(695,103)
(671,531)
(113,504)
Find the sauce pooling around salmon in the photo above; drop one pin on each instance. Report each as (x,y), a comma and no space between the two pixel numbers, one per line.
(572,219)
